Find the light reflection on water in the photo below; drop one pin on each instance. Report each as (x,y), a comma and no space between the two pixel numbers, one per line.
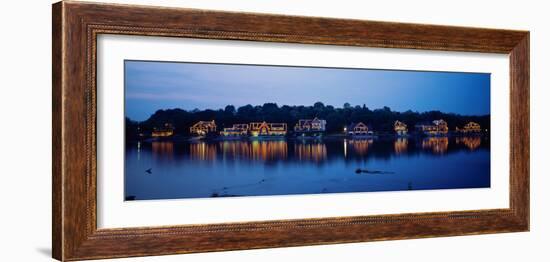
(400,145)
(200,151)
(361,146)
(221,168)
(316,152)
(471,142)
(438,145)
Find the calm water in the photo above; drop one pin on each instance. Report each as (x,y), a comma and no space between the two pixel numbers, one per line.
(167,170)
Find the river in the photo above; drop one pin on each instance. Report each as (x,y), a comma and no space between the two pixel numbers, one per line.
(173,170)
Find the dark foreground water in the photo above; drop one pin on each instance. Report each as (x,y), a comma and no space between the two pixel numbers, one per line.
(168,170)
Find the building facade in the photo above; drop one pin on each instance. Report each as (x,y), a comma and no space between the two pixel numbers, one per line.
(166,131)
(267,129)
(434,128)
(471,127)
(310,125)
(358,129)
(203,128)
(236,130)
(400,128)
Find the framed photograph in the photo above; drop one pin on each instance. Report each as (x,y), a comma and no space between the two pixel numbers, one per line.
(182,130)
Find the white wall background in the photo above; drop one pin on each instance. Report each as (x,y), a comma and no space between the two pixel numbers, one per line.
(25,151)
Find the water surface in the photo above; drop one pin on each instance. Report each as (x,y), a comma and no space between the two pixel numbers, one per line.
(170,170)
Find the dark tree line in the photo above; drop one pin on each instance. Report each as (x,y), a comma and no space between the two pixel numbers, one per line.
(381,120)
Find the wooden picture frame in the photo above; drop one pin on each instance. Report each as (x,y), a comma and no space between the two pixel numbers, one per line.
(76,26)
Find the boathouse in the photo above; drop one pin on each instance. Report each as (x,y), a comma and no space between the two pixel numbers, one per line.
(165,131)
(471,127)
(434,128)
(236,130)
(400,128)
(202,128)
(267,129)
(358,129)
(310,125)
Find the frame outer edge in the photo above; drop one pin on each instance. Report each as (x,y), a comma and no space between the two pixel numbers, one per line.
(71,239)
(70,147)
(520,126)
(57,122)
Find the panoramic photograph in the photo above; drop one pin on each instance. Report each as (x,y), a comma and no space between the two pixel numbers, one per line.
(210,130)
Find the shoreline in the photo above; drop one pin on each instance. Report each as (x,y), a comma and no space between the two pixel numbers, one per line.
(332,137)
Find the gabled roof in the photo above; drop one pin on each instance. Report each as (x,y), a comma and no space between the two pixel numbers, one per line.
(353,125)
(309,121)
(399,122)
(205,123)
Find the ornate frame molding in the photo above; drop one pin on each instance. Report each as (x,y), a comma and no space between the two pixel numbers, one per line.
(76,26)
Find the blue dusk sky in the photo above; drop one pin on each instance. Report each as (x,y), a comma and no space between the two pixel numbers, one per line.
(150,86)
